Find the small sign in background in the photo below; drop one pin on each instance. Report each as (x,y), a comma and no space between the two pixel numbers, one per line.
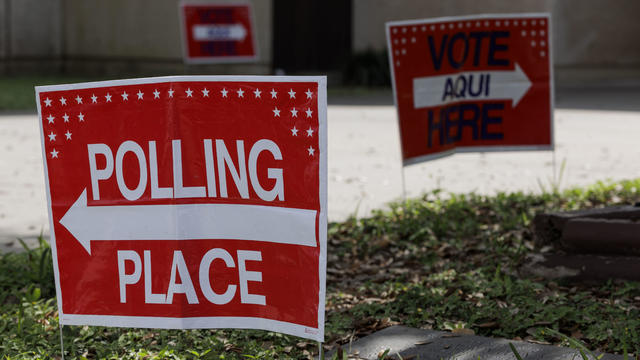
(218,33)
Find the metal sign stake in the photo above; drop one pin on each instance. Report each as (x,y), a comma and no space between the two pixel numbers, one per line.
(61,340)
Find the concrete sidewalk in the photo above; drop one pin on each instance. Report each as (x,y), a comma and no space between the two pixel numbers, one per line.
(596,133)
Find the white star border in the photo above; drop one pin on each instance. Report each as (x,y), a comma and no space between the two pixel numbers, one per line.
(127,93)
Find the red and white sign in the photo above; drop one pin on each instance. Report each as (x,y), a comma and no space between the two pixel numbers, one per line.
(472,83)
(215,33)
(189,202)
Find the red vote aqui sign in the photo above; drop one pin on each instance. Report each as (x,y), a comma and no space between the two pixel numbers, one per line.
(214,33)
(472,83)
(188,202)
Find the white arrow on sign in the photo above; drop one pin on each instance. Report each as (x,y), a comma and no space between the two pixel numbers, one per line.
(189,222)
(505,84)
(232,32)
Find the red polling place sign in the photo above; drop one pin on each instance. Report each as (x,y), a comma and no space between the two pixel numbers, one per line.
(214,33)
(188,202)
(472,83)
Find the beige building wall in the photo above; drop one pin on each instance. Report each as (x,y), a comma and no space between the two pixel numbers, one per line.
(35,28)
(30,33)
(593,40)
(594,32)
(4,36)
(370,16)
(137,36)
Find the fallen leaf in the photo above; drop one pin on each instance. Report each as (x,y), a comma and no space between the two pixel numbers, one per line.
(423,342)
(489,324)
(463,331)
(232,348)
(538,342)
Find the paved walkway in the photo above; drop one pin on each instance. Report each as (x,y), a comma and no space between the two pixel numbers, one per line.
(596,131)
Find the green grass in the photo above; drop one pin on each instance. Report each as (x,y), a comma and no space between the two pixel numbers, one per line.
(440,262)
(17,93)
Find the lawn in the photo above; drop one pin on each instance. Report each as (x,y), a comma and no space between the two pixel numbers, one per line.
(442,261)
(17,93)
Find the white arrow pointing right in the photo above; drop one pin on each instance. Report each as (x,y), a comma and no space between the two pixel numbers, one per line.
(232,32)
(510,84)
(188,222)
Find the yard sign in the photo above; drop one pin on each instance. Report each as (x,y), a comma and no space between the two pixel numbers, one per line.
(217,33)
(188,202)
(472,83)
